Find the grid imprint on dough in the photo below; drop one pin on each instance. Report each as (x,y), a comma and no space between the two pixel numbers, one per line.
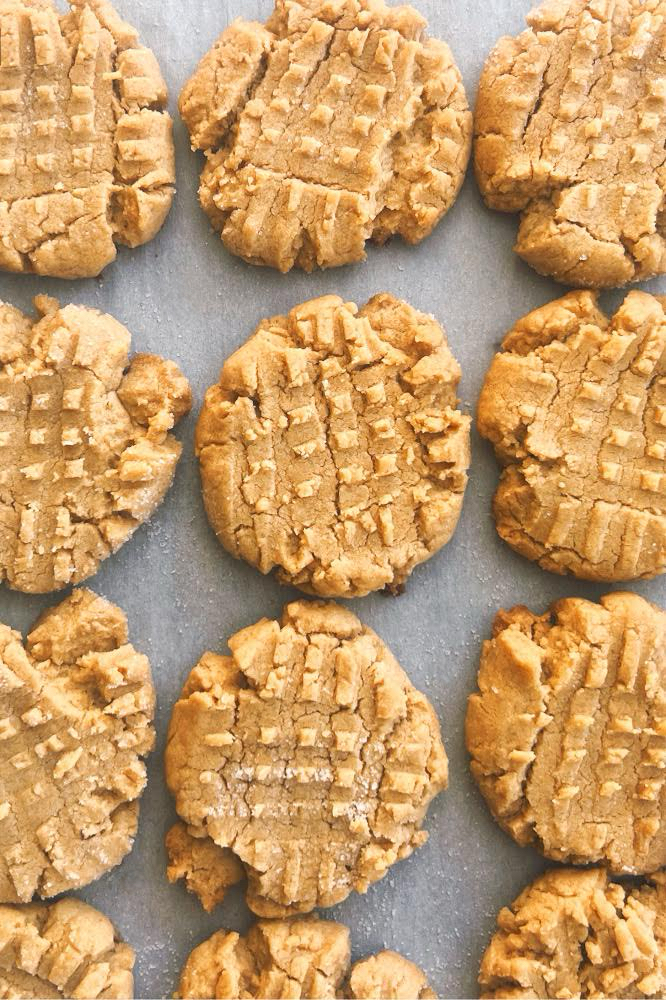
(319,774)
(69,776)
(352,470)
(591,409)
(83,134)
(352,126)
(570,131)
(583,776)
(78,473)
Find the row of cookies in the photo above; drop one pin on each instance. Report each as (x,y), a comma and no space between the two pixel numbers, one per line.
(332,449)
(335,123)
(305,762)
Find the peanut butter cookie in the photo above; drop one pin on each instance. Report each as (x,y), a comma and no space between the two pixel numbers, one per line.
(86,155)
(85,453)
(337,122)
(296,958)
(67,949)
(332,447)
(570,131)
(575,933)
(568,730)
(576,409)
(76,709)
(309,754)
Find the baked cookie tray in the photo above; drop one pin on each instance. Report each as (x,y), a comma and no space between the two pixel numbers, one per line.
(185,297)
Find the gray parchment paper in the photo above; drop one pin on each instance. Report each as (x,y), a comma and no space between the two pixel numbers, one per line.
(183,296)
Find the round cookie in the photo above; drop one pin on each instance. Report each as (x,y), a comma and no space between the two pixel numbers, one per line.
(76,710)
(66,949)
(86,154)
(337,122)
(332,447)
(85,453)
(567,732)
(570,131)
(575,933)
(299,958)
(575,407)
(309,754)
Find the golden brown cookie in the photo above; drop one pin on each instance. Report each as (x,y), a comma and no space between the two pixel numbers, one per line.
(208,870)
(574,933)
(66,949)
(76,710)
(567,732)
(337,122)
(570,131)
(309,754)
(86,155)
(575,406)
(296,958)
(85,453)
(332,447)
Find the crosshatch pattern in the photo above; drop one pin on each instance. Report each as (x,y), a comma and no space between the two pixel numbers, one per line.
(86,155)
(185,297)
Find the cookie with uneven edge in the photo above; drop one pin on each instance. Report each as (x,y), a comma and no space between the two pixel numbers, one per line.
(575,406)
(65,949)
(333,450)
(567,731)
(296,958)
(570,130)
(76,711)
(576,933)
(208,870)
(337,122)
(85,450)
(309,754)
(86,154)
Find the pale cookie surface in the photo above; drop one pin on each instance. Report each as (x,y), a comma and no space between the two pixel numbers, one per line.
(575,933)
(332,447)
(65,949)
(575,406)
(308,959)
(568,730)
(570,131)
(338,122)
(309,754)
(208,870)
(86,155)
(85,453)
(76,709)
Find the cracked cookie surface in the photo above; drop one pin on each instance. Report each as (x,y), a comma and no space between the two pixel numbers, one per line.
(567,732)
(208,870)
(337,122)
(332,447)
(85,453)
(309,754)
(86,154)
(296,958)
(76,709)
(570,131)
(575,407)
(575,933)
(65,949)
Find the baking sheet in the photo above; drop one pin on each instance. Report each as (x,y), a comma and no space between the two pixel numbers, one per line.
(185,297)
